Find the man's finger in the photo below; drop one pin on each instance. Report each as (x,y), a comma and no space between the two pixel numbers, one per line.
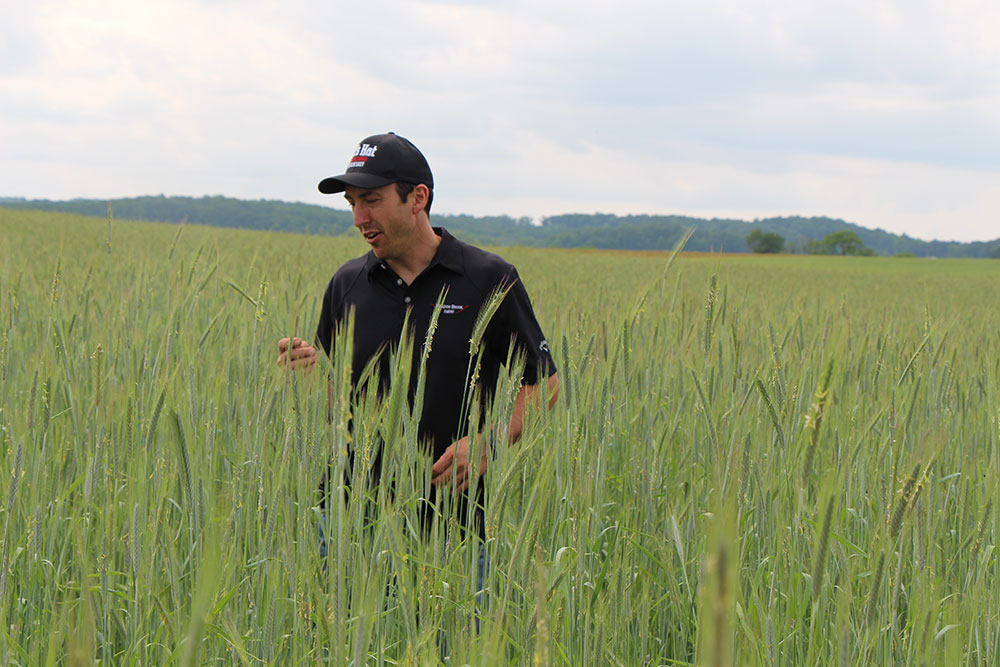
(303,363)
(296,353)
(444,461)
(285,344)
(441,477)
(460,472)
(462,478)
(301,353)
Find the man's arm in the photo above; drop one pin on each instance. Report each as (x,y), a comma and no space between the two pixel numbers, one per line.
(530,393)
(457,454)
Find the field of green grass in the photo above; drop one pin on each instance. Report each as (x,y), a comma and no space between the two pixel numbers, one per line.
(753,460)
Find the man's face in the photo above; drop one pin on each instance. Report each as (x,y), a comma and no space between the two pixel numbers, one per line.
(386,222)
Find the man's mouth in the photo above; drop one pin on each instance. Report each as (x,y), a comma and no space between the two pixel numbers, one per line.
(372,235)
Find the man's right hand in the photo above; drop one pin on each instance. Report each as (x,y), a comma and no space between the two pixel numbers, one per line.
(296,353)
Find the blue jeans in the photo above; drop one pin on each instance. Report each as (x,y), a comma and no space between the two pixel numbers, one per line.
(483,566)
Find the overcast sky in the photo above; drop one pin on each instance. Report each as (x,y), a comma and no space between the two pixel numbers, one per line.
(882,112)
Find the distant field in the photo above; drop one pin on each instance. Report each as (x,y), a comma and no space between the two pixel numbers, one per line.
(754,460)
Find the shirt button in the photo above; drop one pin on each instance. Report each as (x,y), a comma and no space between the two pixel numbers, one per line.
(399,281)
(382,265)
(406,299)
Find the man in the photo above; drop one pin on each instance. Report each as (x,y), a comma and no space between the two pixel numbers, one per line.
(389,187)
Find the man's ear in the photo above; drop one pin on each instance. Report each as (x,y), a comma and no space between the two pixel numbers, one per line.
(418,198)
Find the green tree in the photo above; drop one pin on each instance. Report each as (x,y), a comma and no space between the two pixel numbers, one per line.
(844,242)
(814,247)
(995,253)
(765,242)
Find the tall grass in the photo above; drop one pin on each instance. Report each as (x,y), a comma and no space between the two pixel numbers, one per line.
(765,461)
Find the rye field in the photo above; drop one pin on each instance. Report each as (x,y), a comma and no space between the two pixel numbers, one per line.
(753,461)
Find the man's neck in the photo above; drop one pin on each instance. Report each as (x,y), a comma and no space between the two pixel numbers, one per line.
(419,254)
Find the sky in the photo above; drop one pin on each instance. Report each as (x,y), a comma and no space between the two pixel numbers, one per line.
(885,113)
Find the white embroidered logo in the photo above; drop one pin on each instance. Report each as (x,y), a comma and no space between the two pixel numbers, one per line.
(361,155)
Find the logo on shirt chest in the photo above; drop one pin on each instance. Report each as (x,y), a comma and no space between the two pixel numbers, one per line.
(451,308)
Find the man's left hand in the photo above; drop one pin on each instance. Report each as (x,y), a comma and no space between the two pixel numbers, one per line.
(457,457)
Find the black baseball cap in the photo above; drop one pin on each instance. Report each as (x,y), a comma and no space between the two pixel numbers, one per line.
(379,160)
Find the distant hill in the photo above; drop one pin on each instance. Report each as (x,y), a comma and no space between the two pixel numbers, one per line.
(630,232)
(216,211)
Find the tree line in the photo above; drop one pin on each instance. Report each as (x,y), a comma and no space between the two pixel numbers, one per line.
(795,234)
(842,242)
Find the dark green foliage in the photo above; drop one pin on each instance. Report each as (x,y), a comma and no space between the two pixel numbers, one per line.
(765,242)
(216,211)
(995,253)
(574,230)
(843,242)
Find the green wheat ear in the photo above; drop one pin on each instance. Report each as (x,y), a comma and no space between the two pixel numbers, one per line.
(425,352)
(486,314)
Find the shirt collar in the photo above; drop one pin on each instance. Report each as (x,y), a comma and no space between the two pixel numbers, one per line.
(448,255)
(449,252)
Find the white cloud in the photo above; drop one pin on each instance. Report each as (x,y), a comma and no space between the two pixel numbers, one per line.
(880,112)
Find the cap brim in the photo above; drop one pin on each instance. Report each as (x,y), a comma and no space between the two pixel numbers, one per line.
(335,184)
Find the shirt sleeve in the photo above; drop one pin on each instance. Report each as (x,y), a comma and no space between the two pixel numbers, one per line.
(515,320)
(327,320)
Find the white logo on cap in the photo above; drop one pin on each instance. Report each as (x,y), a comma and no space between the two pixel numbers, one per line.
(361,155)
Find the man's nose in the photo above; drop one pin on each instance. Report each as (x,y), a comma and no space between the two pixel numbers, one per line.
(361,216)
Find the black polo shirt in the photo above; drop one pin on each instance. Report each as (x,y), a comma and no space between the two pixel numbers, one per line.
(381,299)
